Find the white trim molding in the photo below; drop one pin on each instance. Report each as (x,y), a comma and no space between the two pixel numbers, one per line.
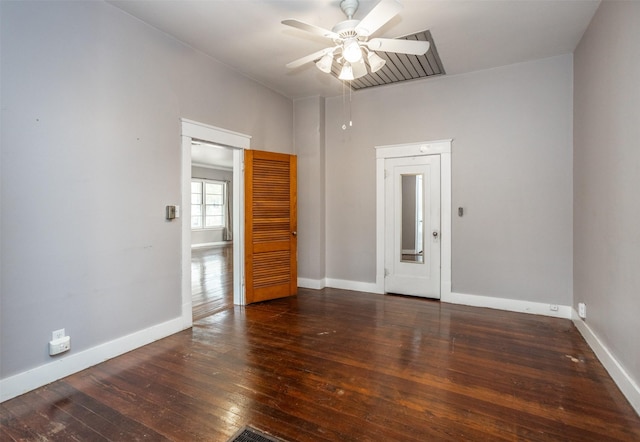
(625,383)
(356,286)
(224,137)
(414,149)
(66,365)
(511,305)
(308,283)
(343,284)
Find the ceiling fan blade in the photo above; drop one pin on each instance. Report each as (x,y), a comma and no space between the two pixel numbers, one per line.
(379,15)
(310,28)
(413,47)
(309,58)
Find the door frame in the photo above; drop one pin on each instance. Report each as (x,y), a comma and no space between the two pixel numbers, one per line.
(439,147)
(238,142)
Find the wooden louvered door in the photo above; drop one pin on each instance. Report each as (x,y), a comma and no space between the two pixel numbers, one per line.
(271,269)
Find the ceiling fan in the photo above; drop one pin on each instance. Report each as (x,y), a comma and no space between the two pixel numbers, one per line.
(351,41)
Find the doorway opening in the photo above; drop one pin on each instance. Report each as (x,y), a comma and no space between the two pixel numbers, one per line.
(211,228)
(235,143)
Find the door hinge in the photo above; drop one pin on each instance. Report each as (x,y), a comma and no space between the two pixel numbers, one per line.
(386,272)
(386,173)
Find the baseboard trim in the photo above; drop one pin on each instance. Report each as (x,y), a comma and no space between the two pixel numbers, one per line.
(625,383)
(308,283)
(63,366)
(512,305)
(356,286)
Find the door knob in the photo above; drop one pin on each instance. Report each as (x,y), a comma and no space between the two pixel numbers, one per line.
(435,234)
(294,233)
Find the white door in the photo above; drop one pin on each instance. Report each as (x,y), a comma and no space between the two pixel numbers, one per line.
(412,203)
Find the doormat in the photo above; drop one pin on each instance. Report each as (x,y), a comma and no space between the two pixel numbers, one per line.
(248,434)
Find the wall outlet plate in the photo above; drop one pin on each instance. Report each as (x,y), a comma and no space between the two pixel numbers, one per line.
(582,310)
(58,334)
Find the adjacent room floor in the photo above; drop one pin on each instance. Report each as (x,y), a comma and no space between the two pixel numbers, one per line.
(334,365)
(211,280)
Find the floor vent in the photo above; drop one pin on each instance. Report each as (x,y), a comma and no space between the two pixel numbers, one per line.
(248,434)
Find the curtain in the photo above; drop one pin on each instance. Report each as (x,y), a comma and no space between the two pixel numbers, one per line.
(228,224)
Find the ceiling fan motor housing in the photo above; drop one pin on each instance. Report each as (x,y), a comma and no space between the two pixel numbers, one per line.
(346,29)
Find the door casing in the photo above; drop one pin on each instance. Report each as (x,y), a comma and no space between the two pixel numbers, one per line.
(442,148)
(238,142)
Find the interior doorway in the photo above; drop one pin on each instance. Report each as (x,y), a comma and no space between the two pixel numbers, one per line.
(236,143)
(211,228)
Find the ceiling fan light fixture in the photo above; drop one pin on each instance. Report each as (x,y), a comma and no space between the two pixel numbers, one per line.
(347,72)
(351,51)
(359,69)
(324,64)
(375,62)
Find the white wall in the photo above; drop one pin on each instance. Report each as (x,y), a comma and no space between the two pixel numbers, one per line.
(511,166)
(607,179)
(91,106)
(310,148)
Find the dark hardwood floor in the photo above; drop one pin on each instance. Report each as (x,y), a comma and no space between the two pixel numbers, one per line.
(211,280)
(334,365)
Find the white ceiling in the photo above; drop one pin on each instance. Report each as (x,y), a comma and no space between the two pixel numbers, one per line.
(469,34)
(207,155)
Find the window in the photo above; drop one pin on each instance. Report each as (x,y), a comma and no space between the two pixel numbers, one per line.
(207,204)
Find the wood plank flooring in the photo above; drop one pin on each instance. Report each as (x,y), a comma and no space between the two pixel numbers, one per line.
(211,280)
(334,365)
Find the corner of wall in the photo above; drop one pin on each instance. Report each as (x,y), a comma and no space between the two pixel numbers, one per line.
(620,376)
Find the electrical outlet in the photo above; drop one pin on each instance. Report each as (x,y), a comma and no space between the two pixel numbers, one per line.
(58,334)
(553,307)
(582,310)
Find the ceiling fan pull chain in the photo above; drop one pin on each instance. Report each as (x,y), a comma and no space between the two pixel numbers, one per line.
(344,107)
(350,92)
